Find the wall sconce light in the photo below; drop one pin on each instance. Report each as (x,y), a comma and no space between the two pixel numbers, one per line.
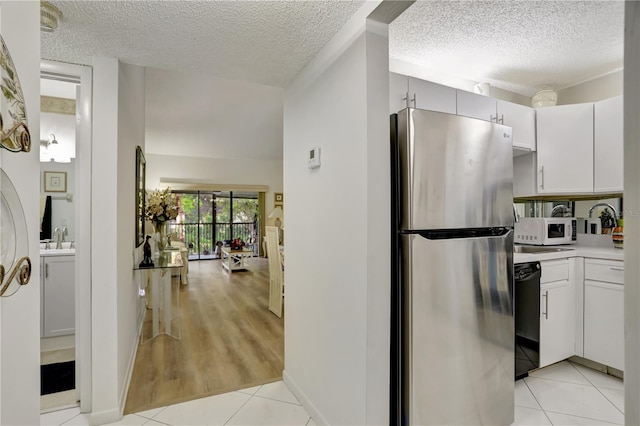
(49,151)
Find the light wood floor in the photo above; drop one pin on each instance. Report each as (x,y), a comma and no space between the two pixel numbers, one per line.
(230,340)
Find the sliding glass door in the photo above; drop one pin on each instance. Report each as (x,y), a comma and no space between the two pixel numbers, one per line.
(208,219)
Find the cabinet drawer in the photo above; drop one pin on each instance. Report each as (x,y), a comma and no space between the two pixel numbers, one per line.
(554,270)
(610,271)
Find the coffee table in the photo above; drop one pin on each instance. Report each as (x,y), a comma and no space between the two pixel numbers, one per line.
(235,260)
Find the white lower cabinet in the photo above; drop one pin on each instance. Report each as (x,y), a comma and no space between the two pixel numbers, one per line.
(604,312)
(557,312)
(58,295)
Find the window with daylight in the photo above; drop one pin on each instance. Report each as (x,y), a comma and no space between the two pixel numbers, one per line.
(208,219)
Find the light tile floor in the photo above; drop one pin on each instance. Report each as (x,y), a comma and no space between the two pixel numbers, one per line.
(561,394)
(270,404)
(569,394)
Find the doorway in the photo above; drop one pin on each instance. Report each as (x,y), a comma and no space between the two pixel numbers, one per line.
(65,195)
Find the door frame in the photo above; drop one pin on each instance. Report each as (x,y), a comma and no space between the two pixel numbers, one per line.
(83,74)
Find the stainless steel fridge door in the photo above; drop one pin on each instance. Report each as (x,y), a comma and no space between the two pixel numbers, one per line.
(456,172)
(459,330)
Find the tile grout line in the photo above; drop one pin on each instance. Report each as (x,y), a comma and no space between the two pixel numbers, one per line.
(589,385)
(279,400)
(582,417)
(67,421)
(157,421)
(597,388)
(239,408)
(538,402)
(60,424)
(151,418)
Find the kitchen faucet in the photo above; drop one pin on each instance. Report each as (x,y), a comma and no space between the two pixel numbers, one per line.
(560,207)
(610,207)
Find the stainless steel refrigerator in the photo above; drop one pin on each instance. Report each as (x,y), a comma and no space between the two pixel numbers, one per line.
(452,310)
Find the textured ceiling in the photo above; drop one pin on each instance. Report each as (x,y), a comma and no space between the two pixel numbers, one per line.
(265,42)
(519,46)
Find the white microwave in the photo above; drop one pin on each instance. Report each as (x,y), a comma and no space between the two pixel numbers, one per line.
(545,231)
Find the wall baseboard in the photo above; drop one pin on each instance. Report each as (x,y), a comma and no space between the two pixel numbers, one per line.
(105,417)
(132,361)
(313,411)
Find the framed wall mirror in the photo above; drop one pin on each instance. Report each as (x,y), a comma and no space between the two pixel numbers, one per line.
(140,196)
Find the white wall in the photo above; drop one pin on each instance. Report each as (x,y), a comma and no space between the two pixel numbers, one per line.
(62,209)
(131,128)
(217,171)
(104,233)
(594,90)
(20,313)
(632,213)
(205,116)
(118,126)
(337,275)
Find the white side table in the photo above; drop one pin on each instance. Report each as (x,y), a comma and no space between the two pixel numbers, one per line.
(162,300)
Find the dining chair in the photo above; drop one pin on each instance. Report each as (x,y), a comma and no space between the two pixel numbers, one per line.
(276,279)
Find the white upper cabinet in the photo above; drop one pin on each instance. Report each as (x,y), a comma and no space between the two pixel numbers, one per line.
(522,120)
(431,96)
(476,106)
(565,149)
(412,92)
(608,146)
(398,90)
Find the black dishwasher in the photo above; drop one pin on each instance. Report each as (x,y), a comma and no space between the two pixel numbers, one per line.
(527,317)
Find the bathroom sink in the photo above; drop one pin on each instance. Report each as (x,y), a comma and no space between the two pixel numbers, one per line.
(538,249)
(57,252)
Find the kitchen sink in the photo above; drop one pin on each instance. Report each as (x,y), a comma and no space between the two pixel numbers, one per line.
(538,249)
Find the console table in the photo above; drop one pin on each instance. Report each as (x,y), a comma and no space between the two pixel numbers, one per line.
(161,299)
(234,260)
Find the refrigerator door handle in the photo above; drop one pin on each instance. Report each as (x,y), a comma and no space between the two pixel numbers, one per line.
(445,234)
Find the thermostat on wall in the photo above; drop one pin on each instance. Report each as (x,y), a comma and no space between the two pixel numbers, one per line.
(314,157)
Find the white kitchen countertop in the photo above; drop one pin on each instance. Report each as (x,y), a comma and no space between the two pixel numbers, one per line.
(576,251)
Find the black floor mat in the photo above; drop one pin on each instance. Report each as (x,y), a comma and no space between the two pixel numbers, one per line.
(57,377)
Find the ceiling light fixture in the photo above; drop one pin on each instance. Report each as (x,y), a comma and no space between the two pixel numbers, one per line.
(49,17)
(482,89)
(544,97)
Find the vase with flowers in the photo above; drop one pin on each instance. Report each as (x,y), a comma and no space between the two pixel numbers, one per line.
(161,207)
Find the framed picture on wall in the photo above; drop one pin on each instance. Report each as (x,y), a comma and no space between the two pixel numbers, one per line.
(140,195)
(278,198)
(55,181)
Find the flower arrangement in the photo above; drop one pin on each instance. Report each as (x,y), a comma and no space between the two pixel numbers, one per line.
(161,206)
